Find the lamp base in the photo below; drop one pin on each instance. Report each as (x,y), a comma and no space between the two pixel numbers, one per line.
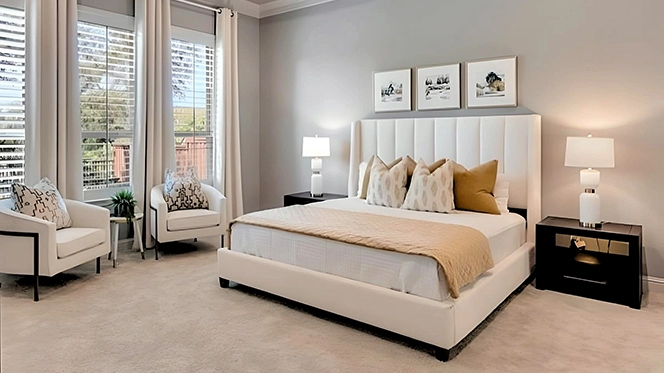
(316,185)
(590,225)
(589,209)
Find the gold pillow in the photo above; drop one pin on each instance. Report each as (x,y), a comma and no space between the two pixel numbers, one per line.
(473,189)
(410,166)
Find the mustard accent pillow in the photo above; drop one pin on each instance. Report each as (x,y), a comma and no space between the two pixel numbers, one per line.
(410,167)
(473,189)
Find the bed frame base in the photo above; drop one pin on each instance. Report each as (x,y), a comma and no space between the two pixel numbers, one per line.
(441,324)
(442,354)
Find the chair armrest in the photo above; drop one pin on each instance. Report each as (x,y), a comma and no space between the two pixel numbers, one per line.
(21,248)
(158,212)
(85,215)
(157,200)
(17,222)
(217,201)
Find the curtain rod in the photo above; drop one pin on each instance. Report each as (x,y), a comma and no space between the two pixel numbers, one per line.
(199,5)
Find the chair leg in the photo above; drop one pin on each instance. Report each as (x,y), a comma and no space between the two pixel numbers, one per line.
(36,290)
(156,250)
(98,265)
(36,266)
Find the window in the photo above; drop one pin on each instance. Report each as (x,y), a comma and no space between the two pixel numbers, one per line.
(106,71)
(12,98)
(193,100)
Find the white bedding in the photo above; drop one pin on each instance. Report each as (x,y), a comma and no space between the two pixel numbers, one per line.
(418,275)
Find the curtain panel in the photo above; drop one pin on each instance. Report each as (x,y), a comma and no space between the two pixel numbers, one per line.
(227,170)
(154,137)
(52,91)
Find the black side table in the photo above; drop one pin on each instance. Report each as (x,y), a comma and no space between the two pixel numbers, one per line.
(306,198)
(603,275)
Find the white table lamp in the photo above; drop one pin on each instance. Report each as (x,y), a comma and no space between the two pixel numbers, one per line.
(588,153)
(316,147)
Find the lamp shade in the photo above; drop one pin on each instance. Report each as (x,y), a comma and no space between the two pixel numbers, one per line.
(590,152)
(316,147)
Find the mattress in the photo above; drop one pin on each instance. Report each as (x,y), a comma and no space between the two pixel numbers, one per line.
(413,274)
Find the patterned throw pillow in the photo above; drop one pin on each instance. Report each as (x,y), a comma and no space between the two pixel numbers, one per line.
(46,184)
(39,203)
(184,192)
(431,191)
(387,186)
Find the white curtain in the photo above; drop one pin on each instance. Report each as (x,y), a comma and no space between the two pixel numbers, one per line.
(53,113)
(154,137)
(228,174)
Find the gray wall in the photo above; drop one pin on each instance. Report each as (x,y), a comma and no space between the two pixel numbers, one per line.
(248,55)
(584,65)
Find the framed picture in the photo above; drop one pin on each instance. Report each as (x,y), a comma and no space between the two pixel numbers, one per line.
(392,91)
(439,87)
(491,82)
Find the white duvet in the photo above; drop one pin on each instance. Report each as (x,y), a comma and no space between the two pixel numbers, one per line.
(418,275)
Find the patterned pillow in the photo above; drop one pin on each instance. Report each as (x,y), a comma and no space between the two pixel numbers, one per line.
(184,192)
(431,191)
(40,203)
(46,184)
(387,186)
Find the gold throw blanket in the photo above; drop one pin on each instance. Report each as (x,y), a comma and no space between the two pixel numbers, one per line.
(461,251)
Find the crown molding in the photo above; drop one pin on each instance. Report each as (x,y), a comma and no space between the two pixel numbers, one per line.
(284,6)
(254,10)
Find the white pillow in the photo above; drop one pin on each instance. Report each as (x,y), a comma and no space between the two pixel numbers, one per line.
(431,191)
(387,186)
(360,180)
(43,202)
(501,192)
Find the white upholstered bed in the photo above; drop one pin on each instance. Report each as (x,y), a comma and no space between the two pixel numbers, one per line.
(405,293)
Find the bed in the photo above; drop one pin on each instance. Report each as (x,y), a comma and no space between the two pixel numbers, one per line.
(403,293)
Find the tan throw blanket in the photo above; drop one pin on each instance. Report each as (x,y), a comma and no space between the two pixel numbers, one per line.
(462,252)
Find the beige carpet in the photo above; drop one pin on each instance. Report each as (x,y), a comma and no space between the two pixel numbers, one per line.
(171,316)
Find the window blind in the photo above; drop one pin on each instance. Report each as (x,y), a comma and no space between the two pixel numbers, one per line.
(12,98)
(106,73)
(193,99)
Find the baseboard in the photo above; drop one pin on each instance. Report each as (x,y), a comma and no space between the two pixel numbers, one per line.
(655,284)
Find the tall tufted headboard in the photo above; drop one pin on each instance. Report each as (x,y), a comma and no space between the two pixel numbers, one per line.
(515,141)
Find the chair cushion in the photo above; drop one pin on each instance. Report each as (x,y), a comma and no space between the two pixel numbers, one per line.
(191,219)
(70,241)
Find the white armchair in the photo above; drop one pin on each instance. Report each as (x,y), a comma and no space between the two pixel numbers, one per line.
(180,225)
(31,246)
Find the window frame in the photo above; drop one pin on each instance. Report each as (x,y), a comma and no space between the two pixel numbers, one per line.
(208,40)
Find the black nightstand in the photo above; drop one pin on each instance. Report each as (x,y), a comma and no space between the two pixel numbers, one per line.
(306,198)
(600,271)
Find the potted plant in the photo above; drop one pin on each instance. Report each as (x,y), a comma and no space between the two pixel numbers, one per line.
(123,204)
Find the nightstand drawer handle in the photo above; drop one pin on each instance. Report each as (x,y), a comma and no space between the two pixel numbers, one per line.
(585,279)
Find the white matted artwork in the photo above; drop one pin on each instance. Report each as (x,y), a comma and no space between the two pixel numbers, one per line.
(439,87)
(491,82)
(392,91)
